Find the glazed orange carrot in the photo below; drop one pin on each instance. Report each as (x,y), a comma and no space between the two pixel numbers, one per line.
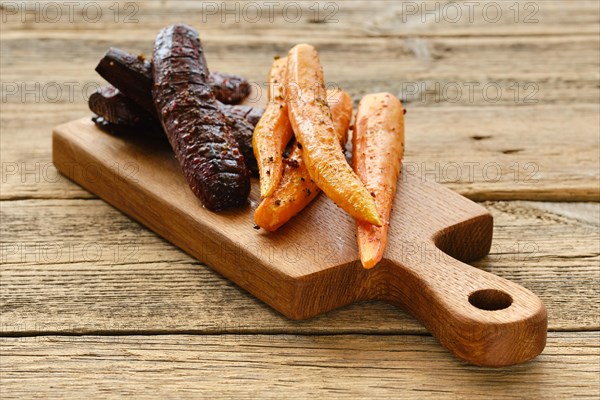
(273,131)
(313,126)
(296,189)
(377,151)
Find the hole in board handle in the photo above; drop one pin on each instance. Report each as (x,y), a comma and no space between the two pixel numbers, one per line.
(490,299)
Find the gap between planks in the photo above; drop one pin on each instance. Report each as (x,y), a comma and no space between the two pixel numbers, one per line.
(267,332)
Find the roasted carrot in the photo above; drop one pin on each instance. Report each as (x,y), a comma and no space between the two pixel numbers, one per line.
(377,150)
(313,126)
(296,189)
(273,131)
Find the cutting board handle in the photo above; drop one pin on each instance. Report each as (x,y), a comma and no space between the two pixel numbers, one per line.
(480,317)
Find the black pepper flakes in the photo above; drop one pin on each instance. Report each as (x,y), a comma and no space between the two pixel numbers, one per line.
(291,162)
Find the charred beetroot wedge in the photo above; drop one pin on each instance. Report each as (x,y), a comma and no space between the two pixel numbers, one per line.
(120,115)
(250,114)
(119,111)
(242,132)
(132,75)
(229,88)
(247,113)
(197,130)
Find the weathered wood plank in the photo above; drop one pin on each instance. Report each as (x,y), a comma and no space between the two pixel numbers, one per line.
(497,153)
(474,71)
(241,366)
(347,18)
(81,266)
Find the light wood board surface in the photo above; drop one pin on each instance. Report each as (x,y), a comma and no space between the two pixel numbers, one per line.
(151,287)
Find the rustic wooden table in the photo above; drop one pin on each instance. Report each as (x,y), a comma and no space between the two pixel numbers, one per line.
(503,107)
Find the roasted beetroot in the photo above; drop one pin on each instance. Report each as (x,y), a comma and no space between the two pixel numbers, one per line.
(197,130)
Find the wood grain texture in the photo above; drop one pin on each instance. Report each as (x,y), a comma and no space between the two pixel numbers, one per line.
(422,72)
(250,366)
(80,266)
(354,19)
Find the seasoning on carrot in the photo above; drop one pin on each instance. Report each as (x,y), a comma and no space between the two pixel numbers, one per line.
(273,131)
(313,126)
(296,189)
(377,151)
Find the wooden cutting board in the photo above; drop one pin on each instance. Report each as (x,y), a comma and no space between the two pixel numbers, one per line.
(311,265)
